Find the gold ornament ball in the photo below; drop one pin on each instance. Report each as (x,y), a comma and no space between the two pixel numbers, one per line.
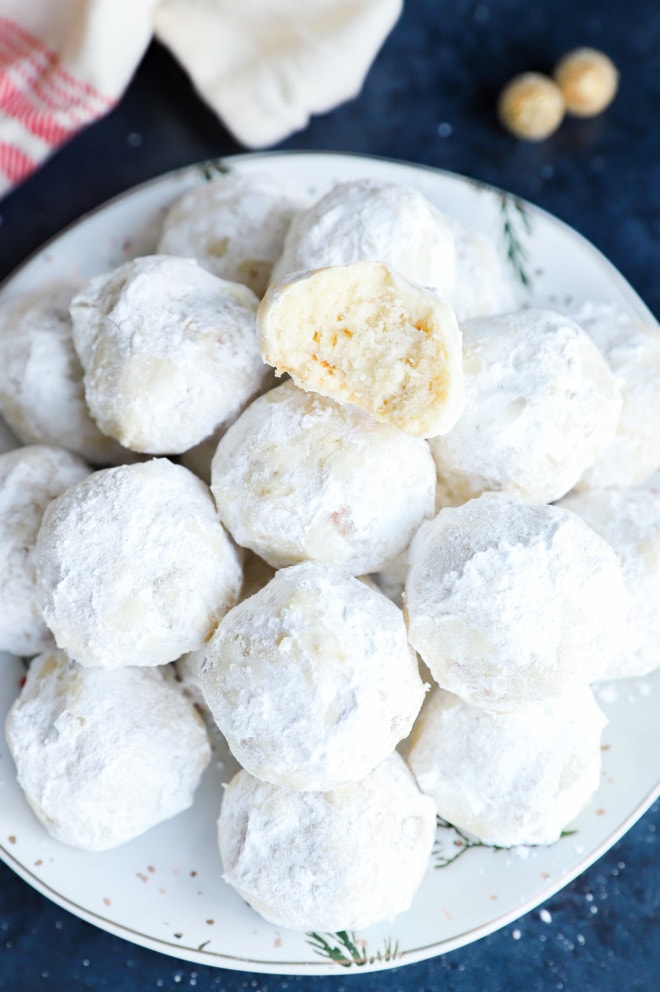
(588,80)
(531,106)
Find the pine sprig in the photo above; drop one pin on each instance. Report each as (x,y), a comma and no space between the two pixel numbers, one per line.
(213,168)
(464,842)
(346,951)
(516,223)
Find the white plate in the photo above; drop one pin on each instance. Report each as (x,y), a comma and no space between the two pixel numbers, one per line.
(164,890)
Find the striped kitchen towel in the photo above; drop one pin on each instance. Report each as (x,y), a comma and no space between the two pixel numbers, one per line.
(264,66)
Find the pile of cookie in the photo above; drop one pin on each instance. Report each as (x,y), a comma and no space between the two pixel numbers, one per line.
(445,490)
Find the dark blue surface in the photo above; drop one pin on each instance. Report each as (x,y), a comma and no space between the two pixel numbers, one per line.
(429,98)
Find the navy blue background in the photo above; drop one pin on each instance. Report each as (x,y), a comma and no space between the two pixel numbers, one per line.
(429,98)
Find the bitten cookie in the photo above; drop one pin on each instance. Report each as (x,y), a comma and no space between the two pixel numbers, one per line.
(41,388)
(30,478)
(312,680)
(541,407)
(103,756)
(366,220)
(629,520)
(511,603)
(365,335)
(169,352)
(299,476)
(134,567)
(234,225)
(327,861)
(509,778)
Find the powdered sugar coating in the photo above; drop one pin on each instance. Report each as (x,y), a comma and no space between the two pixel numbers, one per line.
(541,407)
(169,352)
(41,389)
(233,225)
(133,566)
(103,755)
(632,350)
(482,285)
(327,861)
(368,220)
(312,680)
(298,476)
(509,778)
(30,478)
(629,520)
(510,603)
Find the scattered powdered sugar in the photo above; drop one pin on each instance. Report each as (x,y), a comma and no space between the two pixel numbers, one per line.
(624,690)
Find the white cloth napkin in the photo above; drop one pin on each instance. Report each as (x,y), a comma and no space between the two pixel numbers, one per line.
(264,66)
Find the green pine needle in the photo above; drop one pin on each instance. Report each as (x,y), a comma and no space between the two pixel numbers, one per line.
(213,168)
(516,223)
(346,951)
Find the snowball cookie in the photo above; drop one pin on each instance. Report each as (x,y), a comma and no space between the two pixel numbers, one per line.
(41,389)
(541,406)
(362,334)
(30,478)
(629,520)
(327,861)
(509,778)
(482,285)
(234,225)
(104,755)
(134,567)
(510,603)
(312,680)
(298,477)
(169,352)
(366,220)
(632,350)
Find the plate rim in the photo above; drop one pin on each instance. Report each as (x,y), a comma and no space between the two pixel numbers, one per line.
(414,955)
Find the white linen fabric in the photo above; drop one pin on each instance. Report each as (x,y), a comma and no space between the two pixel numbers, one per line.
(264,66)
